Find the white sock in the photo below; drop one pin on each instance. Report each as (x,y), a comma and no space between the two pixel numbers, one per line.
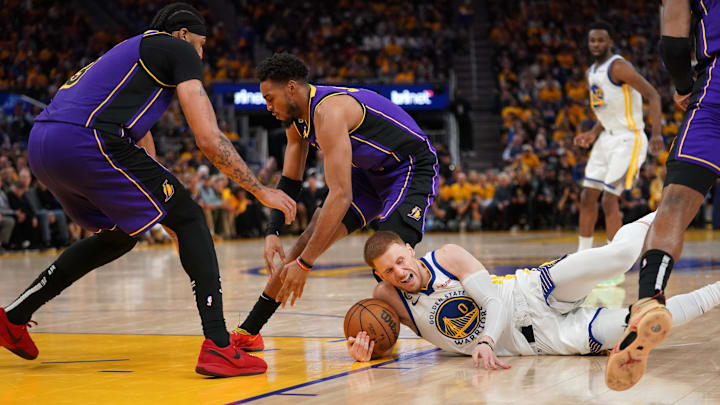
(584,242)
(686,307)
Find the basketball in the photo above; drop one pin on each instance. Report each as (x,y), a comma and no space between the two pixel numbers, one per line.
(377,319)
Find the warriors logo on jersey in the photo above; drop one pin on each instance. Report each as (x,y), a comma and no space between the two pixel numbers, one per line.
(459,317)
(597,98)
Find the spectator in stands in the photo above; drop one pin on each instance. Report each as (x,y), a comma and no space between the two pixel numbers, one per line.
(249,218)
(25,232)
(7,220)
(311,197)
(46,218)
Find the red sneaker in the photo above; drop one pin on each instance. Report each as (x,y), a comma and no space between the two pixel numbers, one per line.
(249,343)
(16,338)
(227,361)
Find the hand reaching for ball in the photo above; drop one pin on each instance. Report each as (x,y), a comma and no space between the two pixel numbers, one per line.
(361,347)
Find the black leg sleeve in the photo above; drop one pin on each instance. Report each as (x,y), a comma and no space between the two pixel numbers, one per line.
(197,255)
(76,261)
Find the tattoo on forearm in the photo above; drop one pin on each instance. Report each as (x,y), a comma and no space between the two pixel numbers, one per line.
(226,158)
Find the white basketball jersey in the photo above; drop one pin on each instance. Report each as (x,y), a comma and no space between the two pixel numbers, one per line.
(448,318)
(618,107)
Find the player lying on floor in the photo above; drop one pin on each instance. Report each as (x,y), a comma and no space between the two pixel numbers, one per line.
(448,298)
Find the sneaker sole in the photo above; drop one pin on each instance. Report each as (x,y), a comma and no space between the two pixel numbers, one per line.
(211,371)
(626,367)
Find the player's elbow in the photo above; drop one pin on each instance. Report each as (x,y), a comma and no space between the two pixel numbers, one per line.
(205,141)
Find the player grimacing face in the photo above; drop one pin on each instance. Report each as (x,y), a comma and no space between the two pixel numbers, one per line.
(399,267)
(599,43)
(279,100)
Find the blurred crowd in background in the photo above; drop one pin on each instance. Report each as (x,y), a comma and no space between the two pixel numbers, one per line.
(541,95)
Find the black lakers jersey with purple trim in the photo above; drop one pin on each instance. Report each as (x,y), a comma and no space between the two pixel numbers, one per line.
(393,161)
(116,94)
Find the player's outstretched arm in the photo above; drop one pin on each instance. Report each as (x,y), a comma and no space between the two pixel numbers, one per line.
(622,71)
(331,129)
(479,286)
(221,152)
(291,183)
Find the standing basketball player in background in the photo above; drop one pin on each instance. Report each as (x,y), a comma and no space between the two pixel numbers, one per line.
(92,148)
(620,142)
(378,166)
(693,167)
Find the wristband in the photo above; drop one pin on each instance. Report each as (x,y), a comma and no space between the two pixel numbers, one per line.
(303,265)
(486,343)
(277,219)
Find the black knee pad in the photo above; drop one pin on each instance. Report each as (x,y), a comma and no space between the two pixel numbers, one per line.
(183,211)
(117,240)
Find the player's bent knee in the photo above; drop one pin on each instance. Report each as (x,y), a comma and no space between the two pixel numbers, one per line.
(184,212)
(624,255)
(117,240)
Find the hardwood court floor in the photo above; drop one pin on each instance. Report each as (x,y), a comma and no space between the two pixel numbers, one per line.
(129,333)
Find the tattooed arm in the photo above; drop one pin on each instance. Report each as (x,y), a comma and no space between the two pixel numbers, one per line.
(221,152)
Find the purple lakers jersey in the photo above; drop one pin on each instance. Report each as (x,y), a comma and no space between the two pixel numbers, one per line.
(100,96)
(386,138)
(707,29)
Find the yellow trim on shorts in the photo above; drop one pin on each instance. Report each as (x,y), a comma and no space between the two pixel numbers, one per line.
(633,168)
(407,178)
(132,69)
(146,108)
(630,176)
(687,127)
(160,212)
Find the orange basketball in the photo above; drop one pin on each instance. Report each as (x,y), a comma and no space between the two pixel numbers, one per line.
(377,319)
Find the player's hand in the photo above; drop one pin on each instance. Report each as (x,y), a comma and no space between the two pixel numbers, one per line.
(484,354)
(361,347)
(293,281)
(584,139)
(657,145)
(273,246)
(274,198)
(682,101)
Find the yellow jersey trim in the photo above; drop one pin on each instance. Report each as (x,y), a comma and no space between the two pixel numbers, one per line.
(132,69)
(362,120)
(397,122)
(145,109)
(160,212)
(153,76)
(702,25)
(407,178)
(376,147)
(359,212)
(306,133)
(82,72)
(427,285)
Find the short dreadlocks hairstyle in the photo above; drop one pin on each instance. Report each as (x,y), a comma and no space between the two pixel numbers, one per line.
(282,67)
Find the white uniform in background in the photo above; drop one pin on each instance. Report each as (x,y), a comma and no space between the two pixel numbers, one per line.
(448,318)
(620,150)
